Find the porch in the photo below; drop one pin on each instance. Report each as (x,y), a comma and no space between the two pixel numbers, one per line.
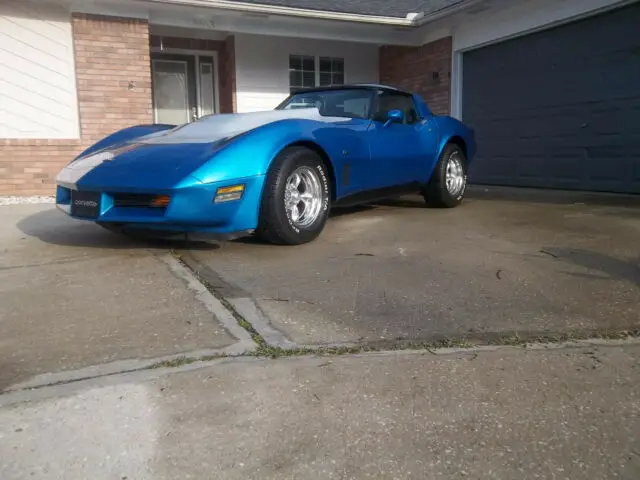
(196,72)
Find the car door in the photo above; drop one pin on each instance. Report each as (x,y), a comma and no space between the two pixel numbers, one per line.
(399,150)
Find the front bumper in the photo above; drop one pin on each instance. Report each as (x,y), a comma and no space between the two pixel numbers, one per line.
(190,209)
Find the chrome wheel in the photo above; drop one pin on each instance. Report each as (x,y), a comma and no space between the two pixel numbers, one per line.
(303,196)
(455,175)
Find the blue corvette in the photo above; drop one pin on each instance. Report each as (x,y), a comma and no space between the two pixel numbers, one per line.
(275,174)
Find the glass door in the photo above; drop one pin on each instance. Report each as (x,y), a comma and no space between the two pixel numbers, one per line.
(170,91)
(207,86)
(184,87)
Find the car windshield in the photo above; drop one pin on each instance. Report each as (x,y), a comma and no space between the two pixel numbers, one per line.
(350,103)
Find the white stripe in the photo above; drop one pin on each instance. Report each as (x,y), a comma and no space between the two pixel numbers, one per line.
(73,172)
(216,127)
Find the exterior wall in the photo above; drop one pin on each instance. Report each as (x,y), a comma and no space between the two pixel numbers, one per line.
(262,66)
(226,62)
(425,70)
(37,83)
(114,74)
(113,91)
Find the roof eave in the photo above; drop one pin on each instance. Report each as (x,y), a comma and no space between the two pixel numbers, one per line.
(446,12)
(293,12)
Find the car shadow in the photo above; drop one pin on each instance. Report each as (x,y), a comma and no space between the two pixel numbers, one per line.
(53,227)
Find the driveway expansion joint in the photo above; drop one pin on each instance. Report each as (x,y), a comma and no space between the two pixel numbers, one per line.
(203,293)
(245,310)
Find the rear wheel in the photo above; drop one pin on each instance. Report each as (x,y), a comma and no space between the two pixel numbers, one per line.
(449,179)
(296,198)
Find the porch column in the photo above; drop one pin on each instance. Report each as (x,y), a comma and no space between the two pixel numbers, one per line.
(425,70)
(113,73)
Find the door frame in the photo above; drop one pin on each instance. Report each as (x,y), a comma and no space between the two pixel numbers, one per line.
(186,71)
(196,54)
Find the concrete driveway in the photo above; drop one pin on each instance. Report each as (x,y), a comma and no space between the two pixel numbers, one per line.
(505,262)
(76,298)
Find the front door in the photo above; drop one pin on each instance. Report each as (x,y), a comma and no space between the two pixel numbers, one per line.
(184,87)
(171,102)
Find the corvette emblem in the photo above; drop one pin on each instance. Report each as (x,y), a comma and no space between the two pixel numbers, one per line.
(85,203)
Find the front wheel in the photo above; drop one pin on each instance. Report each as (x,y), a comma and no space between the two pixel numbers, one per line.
(296,198)
(449,179)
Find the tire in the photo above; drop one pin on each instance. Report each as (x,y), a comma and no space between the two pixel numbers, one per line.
(277,223)
(437,193)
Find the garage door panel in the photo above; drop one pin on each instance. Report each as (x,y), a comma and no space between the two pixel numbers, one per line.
(559,108)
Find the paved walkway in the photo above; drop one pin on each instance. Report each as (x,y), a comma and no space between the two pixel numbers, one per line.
(506,414)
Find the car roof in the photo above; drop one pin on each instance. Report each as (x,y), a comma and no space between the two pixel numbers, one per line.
(370,86)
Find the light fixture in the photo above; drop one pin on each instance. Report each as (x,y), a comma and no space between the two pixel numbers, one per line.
(228,194)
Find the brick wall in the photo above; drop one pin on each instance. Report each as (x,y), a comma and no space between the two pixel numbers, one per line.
(114,92)
(425,70)
(226,62)
(113,74)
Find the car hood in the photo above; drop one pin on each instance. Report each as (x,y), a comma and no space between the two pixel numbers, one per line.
(162,159)
(221,126)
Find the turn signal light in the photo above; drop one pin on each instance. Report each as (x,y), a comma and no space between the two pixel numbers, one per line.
(227,194)
(160,201)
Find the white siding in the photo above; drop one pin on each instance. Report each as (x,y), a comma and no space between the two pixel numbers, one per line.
(262,66)
(37,77)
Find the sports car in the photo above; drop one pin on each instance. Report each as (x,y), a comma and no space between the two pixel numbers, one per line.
(274,174)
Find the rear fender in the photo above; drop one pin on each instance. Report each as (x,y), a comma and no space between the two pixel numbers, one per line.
(450,130)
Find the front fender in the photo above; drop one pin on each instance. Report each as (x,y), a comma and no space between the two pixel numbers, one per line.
(251,153)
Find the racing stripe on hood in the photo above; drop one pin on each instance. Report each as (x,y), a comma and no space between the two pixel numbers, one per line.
(219,126)
(72,173)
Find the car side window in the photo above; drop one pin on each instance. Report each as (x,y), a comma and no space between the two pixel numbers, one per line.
(388,101)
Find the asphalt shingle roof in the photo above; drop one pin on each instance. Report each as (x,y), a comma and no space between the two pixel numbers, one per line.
(383,8)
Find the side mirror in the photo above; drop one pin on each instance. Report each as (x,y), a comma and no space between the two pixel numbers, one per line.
(394,116)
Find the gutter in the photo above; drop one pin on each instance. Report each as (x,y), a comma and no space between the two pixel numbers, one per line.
(290,11)
(411,20)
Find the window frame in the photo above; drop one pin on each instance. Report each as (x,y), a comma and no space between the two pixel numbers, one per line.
(316,71)
(376,104)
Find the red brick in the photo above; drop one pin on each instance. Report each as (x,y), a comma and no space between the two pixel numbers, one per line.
(412,68)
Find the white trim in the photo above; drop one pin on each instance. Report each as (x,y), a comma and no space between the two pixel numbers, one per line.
(456,85)
(412,19)
(198,86)
(292,12)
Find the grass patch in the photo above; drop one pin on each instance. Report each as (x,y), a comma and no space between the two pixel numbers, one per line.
(181,361)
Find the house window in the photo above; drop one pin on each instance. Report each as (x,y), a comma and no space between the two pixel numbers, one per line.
(302,72)
(308,71)
(331,71)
